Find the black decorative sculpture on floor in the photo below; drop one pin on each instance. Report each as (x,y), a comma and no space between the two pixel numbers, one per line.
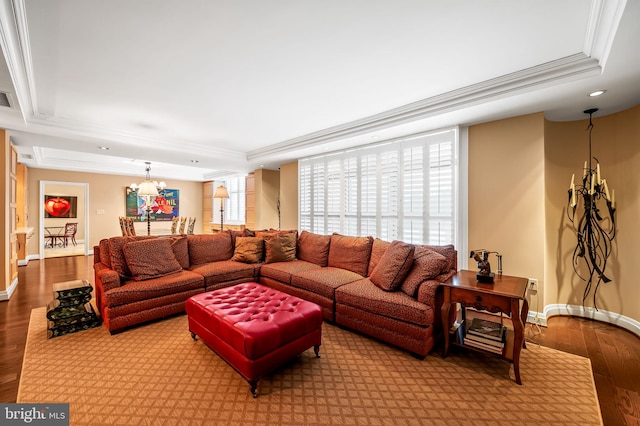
(596,226)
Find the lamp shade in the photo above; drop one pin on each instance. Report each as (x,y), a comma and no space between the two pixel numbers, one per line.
(147,188)
(221,192)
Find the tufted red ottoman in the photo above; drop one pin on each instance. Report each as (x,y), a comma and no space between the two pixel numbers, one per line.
(254,328)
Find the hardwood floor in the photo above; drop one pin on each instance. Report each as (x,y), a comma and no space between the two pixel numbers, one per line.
(614,352)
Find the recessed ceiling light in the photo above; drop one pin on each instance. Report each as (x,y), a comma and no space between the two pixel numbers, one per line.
(597,93)
(104,148)
(194,161)
(375,137)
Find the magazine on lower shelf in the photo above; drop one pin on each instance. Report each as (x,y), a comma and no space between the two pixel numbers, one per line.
(483,346)
(487,341)
(487,329)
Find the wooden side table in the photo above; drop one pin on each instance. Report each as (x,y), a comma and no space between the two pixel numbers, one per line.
(503,296)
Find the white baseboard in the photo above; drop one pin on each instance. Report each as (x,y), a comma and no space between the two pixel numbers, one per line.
(6,294)
(585,312)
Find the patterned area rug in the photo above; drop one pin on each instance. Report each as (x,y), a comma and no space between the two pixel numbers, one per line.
(156,374)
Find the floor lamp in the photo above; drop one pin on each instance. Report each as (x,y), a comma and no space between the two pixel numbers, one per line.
(222,194)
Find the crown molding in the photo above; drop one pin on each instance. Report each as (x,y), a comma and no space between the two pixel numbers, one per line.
(571,67)
(604,19)
(14,38)
(63,127)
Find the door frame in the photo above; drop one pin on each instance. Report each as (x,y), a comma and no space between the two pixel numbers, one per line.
(43,184)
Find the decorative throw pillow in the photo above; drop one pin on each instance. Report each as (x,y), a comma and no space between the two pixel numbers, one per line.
(206,248)
(427,264)
(313,248)
(118,261)
(248,250)
(377,250)
(151,258)
(280,248)
(350,253)
(180,248)
(393,266)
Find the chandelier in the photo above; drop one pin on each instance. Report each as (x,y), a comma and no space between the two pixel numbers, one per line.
(148,189)
(594,222)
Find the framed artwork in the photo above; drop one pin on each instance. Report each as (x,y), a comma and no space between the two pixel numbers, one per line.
(164,207)
(60,206)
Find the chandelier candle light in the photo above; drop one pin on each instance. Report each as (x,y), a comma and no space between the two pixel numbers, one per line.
(148,189)
(595,226)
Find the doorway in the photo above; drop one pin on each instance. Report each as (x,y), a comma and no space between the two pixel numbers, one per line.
(63,206)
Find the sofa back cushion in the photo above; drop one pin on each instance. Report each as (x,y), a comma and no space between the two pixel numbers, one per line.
(377,250)
(205,248)
(427,265)
(248,250)
(105,257)
(350,253)
(393,266)
(180,247)
(314,248)
(153,258)
(116,255)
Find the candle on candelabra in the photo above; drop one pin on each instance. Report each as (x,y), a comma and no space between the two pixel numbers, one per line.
(584,169)
(573,177)
(593,180)
(598,172)
(606,189)
(573,195)
(613,198)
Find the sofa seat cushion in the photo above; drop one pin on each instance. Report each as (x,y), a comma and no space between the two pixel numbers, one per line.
(324,281)
(283,271)
(135,291)
(364,294)
(224,270)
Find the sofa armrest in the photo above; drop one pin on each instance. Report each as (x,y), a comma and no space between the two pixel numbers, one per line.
(430,293)
(107,278)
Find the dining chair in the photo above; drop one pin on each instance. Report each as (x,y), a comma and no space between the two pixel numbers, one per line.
(192,224)
(174,225)
(123,226)
(183,223)
(131,230)
(70,230)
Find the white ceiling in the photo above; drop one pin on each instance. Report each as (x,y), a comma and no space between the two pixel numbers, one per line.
(238,85)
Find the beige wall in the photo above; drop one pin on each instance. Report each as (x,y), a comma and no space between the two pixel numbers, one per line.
(616,144)
(107,193)
(5,229)
(267,184)
(519,174)
(289,195)
(506,194)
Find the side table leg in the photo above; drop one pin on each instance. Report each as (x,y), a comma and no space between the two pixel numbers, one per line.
(523,316)
(446,307)
(518,334)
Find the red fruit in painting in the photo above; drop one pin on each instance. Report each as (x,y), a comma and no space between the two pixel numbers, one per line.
(57,206)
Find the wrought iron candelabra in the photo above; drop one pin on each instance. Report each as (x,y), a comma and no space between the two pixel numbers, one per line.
(594,225)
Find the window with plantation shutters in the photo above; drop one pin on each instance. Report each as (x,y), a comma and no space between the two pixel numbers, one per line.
(403,189)
(234,207)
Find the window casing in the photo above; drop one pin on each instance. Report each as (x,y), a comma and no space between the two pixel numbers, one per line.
(405,189)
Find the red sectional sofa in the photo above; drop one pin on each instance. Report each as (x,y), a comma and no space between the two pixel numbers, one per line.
(387,290)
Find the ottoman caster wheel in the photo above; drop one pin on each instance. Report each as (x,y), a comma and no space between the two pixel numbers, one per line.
(254,388)
(316,349)
(193,336)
